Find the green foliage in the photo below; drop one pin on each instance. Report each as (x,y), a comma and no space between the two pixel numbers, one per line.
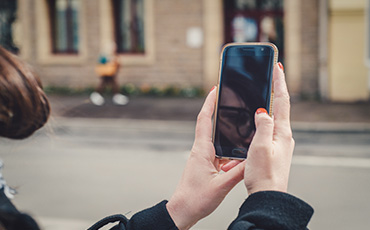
(63,90)
(133,90)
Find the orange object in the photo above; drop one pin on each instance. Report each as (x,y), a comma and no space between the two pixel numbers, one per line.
(261,110)
(108,69)
(281,66)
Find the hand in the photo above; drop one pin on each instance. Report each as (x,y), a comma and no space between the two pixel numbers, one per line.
(270,153)
(202,188)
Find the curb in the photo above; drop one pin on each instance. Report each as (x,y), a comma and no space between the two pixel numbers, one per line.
(125,123)
(331,127)
(189,126)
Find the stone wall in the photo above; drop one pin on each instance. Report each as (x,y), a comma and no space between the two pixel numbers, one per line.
(174,63)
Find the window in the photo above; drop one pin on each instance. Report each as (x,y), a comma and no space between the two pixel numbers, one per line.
(64,15)
(254,21)
(8,10)
(129,26)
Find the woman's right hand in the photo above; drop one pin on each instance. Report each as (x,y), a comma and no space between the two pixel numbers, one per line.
(270,153)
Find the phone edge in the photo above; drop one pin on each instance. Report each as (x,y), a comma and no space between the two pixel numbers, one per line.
(274,47)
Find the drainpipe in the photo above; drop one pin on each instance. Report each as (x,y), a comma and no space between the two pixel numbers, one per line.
(323,50)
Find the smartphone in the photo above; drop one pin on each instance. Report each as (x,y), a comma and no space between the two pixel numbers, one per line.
(245,84)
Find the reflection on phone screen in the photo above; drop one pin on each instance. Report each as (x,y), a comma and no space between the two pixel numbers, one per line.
(245,86)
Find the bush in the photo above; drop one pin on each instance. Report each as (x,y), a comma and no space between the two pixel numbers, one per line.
(133,90)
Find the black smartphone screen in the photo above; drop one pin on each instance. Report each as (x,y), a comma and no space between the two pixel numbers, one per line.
(245,86)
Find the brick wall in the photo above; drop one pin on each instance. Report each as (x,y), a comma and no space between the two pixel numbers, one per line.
(174,62)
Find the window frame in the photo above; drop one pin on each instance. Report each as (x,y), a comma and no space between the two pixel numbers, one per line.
(107,34)
(117,23)
(45,54)
(69,35)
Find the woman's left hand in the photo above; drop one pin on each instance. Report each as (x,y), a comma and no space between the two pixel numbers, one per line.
(202,187)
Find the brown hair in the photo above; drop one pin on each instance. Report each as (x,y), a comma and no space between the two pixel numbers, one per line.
(24,107)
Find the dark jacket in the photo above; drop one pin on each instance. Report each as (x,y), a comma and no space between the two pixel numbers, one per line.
(260,211)
(11,218)
(263,210)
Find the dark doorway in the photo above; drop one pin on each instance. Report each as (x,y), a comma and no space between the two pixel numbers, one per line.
(255,21)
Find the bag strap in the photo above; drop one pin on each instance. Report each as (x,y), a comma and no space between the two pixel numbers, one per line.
(111,219)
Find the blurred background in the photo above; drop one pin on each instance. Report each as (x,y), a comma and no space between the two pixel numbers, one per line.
(92,161)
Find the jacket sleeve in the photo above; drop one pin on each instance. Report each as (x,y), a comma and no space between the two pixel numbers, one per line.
(156,217)
(270,210)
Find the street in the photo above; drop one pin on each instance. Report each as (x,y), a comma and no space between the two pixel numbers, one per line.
(76,171)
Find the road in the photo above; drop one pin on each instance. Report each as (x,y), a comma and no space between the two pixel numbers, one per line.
(75,171)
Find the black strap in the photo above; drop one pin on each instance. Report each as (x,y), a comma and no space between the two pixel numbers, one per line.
(111,219)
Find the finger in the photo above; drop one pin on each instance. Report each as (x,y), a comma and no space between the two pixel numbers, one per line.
(229,165)
(281,95)
(220,163)
(203,130)
(262,139)
(232,177)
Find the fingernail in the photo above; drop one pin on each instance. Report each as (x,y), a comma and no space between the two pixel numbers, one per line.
(281,66)
(261,110)
(212,88)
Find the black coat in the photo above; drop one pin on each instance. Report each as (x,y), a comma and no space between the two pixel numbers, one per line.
(261,211)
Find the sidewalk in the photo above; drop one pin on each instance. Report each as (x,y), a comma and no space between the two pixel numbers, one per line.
(304,115)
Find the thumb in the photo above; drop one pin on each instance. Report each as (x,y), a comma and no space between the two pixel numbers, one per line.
(264,131)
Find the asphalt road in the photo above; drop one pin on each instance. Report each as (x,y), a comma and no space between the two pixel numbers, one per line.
(75,171)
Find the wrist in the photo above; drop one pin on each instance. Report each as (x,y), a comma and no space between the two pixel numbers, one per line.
(179,213)
(267,186)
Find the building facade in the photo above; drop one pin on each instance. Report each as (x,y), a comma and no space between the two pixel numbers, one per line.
(322,43)
(348,50)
